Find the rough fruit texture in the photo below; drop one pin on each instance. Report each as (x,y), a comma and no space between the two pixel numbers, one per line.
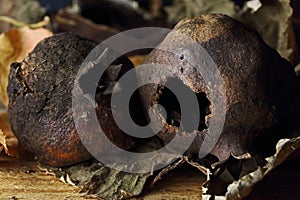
(258,82)
(40,101)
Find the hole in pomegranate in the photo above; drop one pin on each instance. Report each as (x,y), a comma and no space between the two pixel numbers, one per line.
(169,101)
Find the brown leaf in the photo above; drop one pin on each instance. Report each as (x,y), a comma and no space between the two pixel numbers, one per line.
(15,45)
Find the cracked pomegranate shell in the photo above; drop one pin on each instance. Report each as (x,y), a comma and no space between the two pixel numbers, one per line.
(258,82)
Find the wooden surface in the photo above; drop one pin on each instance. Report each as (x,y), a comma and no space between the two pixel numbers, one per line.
(23,180)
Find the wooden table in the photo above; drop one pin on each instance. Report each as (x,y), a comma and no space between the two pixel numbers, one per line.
(23,180)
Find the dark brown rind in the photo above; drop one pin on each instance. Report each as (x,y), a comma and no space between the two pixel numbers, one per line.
(40,100)
(258,82)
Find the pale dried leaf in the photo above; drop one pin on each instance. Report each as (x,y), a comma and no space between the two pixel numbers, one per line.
(101,181)
(254,5)
(27,11)
(17,23)
(241,188)
(6,52)
(191,8)
(8,141)
(297,69)
(15,45)
(9,144)
(273,21)
(2,141)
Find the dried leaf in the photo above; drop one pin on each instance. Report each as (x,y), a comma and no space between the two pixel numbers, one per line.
(253,5)
(101,181)
(15,45)
(6,51)
(17,23)
(241,188)
(27,11)
(2,141)
(8,141)
(297,69)
(192,8)
(273,21)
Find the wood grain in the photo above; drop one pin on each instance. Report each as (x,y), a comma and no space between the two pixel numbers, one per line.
(24,180)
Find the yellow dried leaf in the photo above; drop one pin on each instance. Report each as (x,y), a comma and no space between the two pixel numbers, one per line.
(6,51)
(14,47)
(2,141)
(137,59)
(8,141)
(10,145)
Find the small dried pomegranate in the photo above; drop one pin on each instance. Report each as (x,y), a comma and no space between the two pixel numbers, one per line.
(257,82)
(40,101)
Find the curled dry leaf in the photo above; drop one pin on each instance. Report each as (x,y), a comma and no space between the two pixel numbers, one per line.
(8,141)
(15,45)
(102,182)
(2,141)
(242,187)
(297,70)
